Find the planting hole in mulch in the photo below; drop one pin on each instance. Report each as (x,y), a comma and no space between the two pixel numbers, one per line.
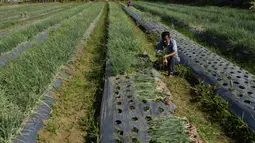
(119,111)
(132,107)
(242,87)
(225,84)
(134,129)
(247,101)
(249,92)
(146,108)
(235,82)
(130,101)
(129,96)
(160,109)
(134,118)
(121,133)
(148,118)
(117,122)
(134,140)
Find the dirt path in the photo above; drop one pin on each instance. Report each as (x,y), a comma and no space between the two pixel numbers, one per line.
(74,110)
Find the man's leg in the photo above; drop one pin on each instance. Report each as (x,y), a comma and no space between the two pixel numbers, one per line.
(170,64)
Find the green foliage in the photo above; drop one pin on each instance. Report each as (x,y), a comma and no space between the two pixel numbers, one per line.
(168,130)
(24,80)
(21,14)
(145,87)
(18,36)
(123,44)
(217,109)
(234,126)
(252,8)
(91,126)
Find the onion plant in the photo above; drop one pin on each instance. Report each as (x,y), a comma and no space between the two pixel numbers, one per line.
(25,79)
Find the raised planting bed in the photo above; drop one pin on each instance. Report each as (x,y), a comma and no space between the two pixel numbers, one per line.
(28,81)
(25,16)
(16,52)
(135,101)
(32,20)
(12,11)
(231,33)
(234,84)
(16,37)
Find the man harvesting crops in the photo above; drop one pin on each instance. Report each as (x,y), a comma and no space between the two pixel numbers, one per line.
(168,49)
(129,3)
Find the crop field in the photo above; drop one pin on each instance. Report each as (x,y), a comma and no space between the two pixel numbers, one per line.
(234,27)
(83,72)
(25,79)
(29,14)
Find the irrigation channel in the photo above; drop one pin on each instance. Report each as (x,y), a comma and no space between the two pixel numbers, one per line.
(87,76)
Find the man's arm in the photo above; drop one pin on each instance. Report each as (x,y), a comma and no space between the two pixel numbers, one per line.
(174,52)
(159,47)
(171,54)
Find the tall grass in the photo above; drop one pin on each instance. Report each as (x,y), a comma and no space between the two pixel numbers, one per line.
(24,80)
(123,45)
(14,11)
(16,37)
(28,16)
(234,26)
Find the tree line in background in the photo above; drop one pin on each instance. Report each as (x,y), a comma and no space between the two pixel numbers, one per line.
(42,1)
(234,3)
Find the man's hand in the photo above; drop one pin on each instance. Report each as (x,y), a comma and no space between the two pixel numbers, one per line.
(170,55)
(165,60)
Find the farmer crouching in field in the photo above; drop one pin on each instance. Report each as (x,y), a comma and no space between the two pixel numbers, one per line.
(168,49)
(129,3)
